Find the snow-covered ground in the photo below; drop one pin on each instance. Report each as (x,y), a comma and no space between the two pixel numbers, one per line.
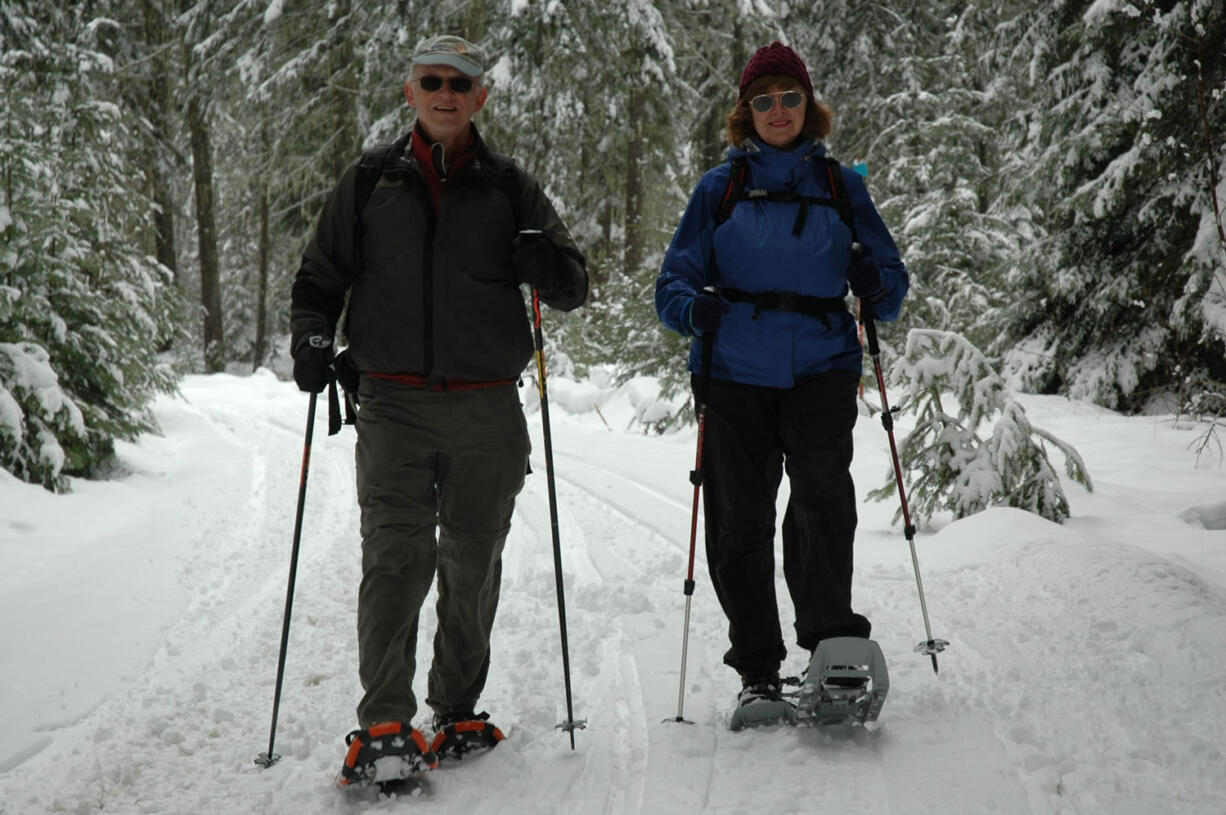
(142,618)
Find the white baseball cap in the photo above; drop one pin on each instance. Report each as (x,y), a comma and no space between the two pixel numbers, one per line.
(457,52)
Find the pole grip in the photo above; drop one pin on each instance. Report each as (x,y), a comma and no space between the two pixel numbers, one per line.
(704,376)
(870,328)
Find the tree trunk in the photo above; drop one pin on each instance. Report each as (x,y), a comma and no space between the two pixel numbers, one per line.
(343,85)
(156,107)
(632,254)
(259,353)
(206,233)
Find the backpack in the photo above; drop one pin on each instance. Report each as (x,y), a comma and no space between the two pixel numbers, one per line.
(840,201)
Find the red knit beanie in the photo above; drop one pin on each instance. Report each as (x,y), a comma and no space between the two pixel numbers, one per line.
(775,59)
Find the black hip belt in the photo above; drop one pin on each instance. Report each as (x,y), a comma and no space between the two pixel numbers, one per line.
(787,301)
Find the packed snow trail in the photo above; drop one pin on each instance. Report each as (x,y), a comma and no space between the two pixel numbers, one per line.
(1086,672)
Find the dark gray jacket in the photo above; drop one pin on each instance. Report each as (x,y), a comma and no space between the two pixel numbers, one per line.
(436,294)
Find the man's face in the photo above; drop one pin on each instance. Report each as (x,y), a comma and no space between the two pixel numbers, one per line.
(444,113)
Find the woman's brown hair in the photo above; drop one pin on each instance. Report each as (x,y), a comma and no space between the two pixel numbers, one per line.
(819,118)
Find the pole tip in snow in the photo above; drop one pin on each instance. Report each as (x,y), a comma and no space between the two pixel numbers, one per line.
(677,720)
(571,726)
(931,648)
(266,760)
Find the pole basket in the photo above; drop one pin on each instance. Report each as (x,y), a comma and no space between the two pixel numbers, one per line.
(931,647)
(266,761)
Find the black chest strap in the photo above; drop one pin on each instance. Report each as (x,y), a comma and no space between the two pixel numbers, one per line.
(788,197)
(807,304)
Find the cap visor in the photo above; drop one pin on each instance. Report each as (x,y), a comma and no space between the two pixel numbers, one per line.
(456,61)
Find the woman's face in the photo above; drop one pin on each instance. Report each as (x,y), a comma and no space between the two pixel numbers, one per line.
(780,125)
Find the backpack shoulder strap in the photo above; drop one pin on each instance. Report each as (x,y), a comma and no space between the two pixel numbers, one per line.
(370,170)
(736,185)
(838,191)
(505,175)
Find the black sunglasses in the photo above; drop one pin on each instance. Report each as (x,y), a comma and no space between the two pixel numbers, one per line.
(764,102)
(459,84)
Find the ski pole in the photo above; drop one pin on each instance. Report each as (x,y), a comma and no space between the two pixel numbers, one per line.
(570,724)
(270,758)
(704,382)
(931,646)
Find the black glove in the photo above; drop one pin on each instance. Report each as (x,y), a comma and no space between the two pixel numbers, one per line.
(347,374)
(313,362)
(865,280)
(534,260)
(706,312)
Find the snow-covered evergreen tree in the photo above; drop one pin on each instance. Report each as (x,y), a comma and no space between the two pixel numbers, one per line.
(956,466)
(916,101)
(1123,154)
(83,308)
(584,96)
(937,169)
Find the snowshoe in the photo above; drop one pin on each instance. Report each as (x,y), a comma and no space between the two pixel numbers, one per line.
(761,703)
(846,683)
(390,756)
(463,734)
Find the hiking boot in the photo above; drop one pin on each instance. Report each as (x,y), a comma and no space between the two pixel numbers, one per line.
(766,688)
(761,702)
(461,733)
(385,752)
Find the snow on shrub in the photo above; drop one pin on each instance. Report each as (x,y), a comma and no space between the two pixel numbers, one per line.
(37,419)
(952,463)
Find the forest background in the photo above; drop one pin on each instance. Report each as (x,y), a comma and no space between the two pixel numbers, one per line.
(1052,172)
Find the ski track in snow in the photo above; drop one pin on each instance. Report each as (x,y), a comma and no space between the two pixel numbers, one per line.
(1066,688)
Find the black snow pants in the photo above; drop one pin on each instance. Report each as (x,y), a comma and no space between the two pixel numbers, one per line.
(752,434)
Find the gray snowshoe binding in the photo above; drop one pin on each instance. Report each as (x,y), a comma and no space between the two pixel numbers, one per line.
(846,683)
(761,703)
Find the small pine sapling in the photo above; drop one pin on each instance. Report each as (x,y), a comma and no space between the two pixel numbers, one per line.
(1208,407)
(954,467)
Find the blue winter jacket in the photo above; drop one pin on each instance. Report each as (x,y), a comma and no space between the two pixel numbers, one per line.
(755,251)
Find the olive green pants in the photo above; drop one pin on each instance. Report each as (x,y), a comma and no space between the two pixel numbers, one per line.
(437,475)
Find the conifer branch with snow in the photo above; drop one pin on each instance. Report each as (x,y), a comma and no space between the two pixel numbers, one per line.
(955,467)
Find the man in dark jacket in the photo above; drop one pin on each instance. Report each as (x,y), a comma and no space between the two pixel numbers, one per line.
(438,328)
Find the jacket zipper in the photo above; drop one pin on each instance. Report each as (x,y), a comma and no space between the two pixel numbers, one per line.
(427,277)
(427,291)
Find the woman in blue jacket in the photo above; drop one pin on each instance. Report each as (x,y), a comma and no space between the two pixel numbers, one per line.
(762,276)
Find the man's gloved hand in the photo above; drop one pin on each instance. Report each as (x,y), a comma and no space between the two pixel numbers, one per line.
(534,260)
(313,356)
(865,280)
(706,312)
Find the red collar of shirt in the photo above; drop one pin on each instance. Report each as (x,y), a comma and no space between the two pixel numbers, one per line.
(423,151)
